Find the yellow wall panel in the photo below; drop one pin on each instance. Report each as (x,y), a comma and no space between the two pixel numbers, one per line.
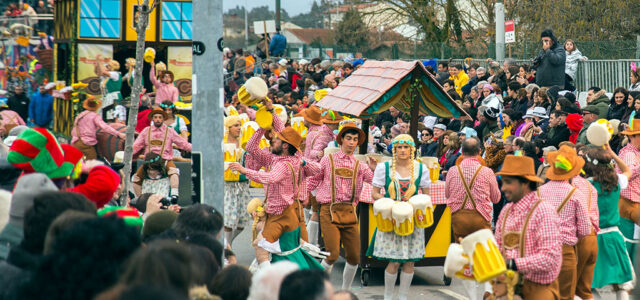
(131,34)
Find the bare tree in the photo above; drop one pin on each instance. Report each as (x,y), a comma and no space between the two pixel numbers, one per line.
(141,29)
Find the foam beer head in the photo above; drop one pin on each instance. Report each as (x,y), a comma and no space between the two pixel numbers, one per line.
(455,260)
(402,213)
(423,210)
(382,212)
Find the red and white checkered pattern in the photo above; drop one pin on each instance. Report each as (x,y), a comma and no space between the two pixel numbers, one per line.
(584,186)
(543,247)
(485,190)
(631,156)
(322,181)
(317,140)
(574,220)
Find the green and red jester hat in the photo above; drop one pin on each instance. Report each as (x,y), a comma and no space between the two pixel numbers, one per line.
(37,150)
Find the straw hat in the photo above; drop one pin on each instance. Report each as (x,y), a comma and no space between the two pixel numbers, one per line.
(331,117)
(290,136)
(565,164)
(519,166)
(91,103)
(312,115)
(156,111)
(346,127)
(634,127)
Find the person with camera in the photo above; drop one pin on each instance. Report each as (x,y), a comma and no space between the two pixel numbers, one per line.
(550,62)
(153,177)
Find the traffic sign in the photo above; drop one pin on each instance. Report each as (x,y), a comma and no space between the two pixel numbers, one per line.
(509,32)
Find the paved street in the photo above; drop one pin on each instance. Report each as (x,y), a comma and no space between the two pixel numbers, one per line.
(427,281)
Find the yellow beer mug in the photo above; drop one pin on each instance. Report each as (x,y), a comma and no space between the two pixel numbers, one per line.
(456,263)
(265,119)
(382,213)
(248,129)
(422,210)
(244,118)
(253,91)
(230,155)
(434,173)
(297,123)
(486,261)
(402,213)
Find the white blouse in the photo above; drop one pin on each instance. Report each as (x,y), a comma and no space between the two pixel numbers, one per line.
(380,172)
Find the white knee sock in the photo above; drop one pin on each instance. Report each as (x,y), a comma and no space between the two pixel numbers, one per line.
(236,233)
(405,283)
(389,284)
(312,230)
(470,287)
(347,275)
(327,266)
(228,238)
(622,295)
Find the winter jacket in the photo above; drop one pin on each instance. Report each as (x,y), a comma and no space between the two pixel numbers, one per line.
(550,72)
(19,104)
(278,45)
(571,64)
(602,103)
(459,81)
(555,135)
(616,111)
(41,109)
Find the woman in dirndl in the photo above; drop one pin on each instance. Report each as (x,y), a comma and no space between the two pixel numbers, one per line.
(400,178)
(613,265)
(236,185)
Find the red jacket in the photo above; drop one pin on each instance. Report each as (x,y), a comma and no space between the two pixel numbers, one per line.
(143,120)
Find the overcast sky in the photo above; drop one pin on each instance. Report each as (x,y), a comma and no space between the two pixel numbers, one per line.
(293,7)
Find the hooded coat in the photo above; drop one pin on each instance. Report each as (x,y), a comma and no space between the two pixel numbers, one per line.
(551,69)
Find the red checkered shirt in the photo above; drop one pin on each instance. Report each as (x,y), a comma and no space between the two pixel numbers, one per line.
(574,220)
(317,140)
(542,258)
(322,181)
(485,189)
(631,156)
(279,187)
(584,186)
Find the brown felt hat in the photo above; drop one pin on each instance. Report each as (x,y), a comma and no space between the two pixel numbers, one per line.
(519,166)
(290,136)
(156,111)
(346,127)
(634,128)
(331,117)
(91,103)
(564,163)
(313,115)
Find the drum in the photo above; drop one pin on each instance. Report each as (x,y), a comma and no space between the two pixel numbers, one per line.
(402,214)
(382,213)
(422,210)
(457,263)
(486,260)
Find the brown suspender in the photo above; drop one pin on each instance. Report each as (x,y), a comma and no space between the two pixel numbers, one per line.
(164,142)
(333,180)
(295,184)
(523,233)
(467,187)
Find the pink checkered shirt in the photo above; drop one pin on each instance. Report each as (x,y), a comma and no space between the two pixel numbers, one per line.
(542,257)
(87,124)
(158,133)
(584,186)
(322,181)
(631,156)
(277,179)
(318,137)
(485,190)
(574,219)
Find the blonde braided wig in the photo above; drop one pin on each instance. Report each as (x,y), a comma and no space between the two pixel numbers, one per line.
(402,139)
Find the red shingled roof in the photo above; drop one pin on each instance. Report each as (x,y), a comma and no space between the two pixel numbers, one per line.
(370,82)
(309,35)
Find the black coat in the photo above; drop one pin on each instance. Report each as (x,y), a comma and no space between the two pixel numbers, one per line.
(550,72)
(19,104)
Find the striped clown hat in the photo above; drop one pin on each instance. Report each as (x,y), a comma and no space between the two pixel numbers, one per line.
(37,150)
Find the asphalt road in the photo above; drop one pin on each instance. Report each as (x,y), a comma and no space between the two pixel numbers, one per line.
(427,281)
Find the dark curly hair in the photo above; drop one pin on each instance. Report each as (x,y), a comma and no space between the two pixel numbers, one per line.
(86,259)
(153,161)
(603,173)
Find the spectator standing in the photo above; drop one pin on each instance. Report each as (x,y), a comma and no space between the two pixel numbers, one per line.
(550,61)
(571,65)
(19,102)
(41,106)
(278,44)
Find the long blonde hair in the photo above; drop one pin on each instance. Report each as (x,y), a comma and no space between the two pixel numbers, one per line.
(402,139)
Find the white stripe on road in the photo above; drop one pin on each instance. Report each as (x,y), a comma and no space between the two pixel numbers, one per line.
(453,294)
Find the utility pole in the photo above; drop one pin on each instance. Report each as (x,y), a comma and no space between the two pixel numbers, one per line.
(277,13)
(246,26)
(499,30)
(208,99)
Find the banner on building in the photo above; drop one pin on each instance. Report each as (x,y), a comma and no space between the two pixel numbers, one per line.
(87,54)
(180,59)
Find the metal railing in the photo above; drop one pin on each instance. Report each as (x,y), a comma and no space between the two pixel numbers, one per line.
(39,23)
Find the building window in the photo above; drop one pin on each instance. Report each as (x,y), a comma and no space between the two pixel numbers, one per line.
(176,20)
(100,19)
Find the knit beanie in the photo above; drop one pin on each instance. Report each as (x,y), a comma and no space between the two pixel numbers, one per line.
(27,188)
(129,215)
(547,33)
(100,186)
(37,150)
(158,222)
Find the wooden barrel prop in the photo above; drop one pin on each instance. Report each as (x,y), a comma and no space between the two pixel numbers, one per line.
(108,144)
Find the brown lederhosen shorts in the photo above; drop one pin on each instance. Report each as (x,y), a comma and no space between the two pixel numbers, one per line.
(88,151)
(140,172)
(567,278)
(587,252)
(536,291)
(629,210)
(315,206)
(297,209)
(276,225)
(466,221)
(335,235)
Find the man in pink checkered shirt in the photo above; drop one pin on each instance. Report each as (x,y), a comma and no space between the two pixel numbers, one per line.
(471,209)
(527,230)
(575,222)
(339,185)
(630,154)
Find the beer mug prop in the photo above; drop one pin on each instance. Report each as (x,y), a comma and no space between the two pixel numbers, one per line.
(456,263)
(230,155)
(422,210)
(434,172)
(402,214)
(244,118)
(382,213)
(231,111)
(486,261)
(264,118)
(253,91)
(264,143)
(600,132)
(281,112)
(248,129)
(297,123)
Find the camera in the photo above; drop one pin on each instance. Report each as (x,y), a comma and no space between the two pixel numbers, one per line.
(167,201)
